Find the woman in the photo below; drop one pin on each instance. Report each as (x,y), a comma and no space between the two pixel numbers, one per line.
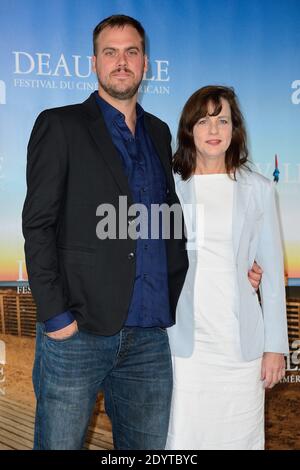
(226,348)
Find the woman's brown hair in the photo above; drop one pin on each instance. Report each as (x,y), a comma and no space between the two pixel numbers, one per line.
(184,161)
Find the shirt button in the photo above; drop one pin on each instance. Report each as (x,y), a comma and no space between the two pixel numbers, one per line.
(144,190)
(131,256)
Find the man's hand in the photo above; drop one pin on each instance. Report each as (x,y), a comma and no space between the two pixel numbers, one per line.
(65,332)
(255,275)
(272,369)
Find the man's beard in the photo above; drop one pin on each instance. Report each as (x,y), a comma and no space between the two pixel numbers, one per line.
(114,92)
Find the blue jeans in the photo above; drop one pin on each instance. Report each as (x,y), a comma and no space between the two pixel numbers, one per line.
(134,370)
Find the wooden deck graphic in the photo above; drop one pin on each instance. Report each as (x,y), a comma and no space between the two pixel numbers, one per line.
(17,424)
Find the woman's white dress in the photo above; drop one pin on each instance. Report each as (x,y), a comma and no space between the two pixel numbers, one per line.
(218,399)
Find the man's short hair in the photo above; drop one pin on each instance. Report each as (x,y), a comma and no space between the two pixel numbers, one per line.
(118,21)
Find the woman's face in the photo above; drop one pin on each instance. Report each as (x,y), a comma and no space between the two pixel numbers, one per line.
(212,134)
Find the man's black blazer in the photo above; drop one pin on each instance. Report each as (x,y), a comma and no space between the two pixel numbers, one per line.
(72,168)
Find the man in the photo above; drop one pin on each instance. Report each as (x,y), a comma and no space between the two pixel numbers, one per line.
(103,305)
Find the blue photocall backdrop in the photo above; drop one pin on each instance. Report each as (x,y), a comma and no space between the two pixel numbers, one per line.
(45,61)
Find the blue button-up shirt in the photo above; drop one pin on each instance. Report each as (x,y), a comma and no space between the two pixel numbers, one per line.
(149,304)
(147,181)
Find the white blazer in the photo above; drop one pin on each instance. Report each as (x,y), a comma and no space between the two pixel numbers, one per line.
(256,236)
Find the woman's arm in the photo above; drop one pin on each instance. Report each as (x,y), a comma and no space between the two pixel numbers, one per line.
(272,291)
(272,288)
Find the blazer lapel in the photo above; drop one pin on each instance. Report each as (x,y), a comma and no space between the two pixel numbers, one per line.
(187,197)
(107,150)
(241,198)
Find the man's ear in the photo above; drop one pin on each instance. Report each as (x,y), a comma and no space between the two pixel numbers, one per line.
(145,63)
(94,63)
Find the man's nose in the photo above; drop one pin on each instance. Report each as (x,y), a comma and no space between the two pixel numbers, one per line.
(122,59)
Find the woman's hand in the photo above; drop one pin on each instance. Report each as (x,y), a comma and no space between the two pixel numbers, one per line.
(255,275)
(272,369)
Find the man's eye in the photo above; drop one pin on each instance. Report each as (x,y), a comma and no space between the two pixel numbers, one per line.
(132,52)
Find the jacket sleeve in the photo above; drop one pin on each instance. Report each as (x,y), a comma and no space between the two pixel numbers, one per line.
(46,176)
(272,288)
